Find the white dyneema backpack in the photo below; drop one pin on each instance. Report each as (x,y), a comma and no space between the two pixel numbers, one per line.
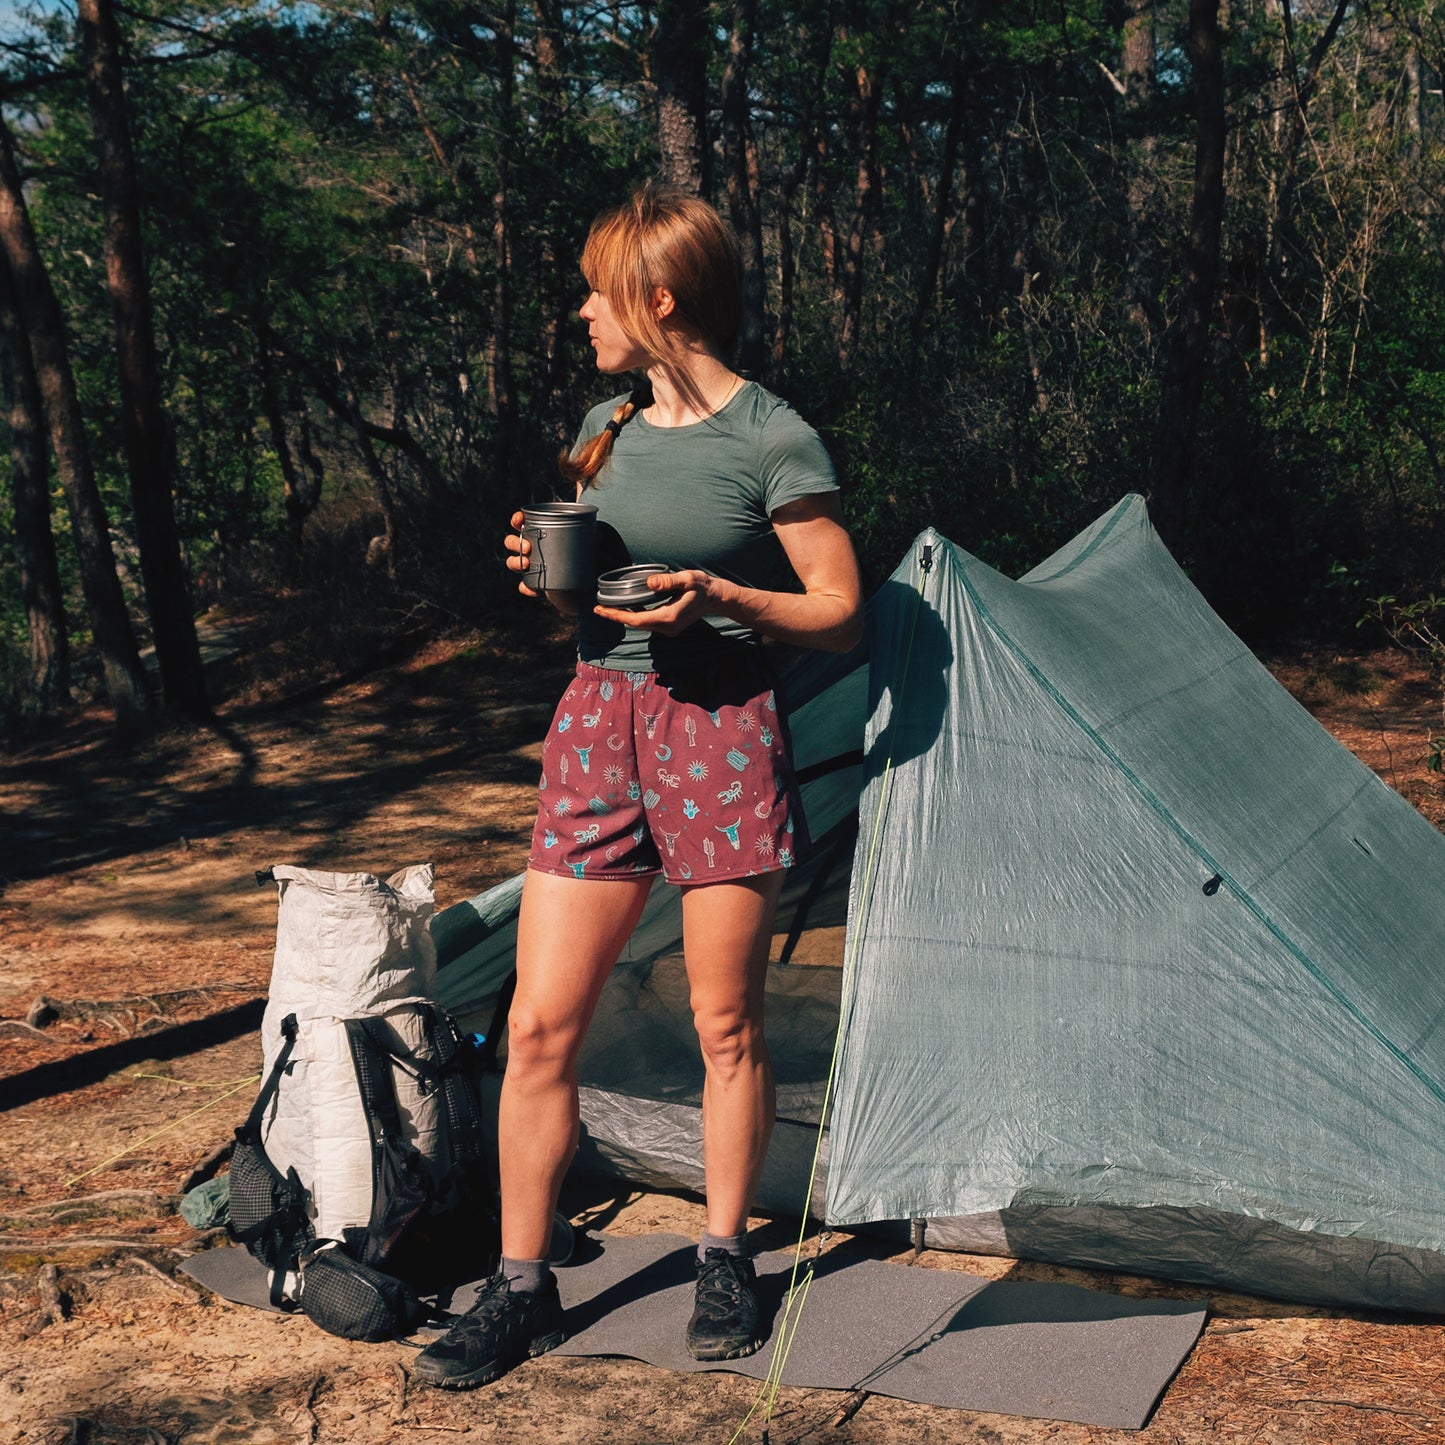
(364,1173)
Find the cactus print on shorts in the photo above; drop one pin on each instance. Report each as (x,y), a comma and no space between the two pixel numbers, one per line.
(688,779)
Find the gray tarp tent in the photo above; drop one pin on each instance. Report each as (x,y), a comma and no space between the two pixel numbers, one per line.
(1143,970)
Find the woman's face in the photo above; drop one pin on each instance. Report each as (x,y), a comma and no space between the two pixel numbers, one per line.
(616,350)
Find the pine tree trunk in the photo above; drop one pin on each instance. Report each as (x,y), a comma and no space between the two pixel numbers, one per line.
(150,454)
(818,42)
(679,74)
(383,548)
(502,381)
(865,199)
(787,262)
(742,185)
(1188,362)
(115,643)
(943,203)
(34,540)
(558,286)
(301,494)
(1139,91)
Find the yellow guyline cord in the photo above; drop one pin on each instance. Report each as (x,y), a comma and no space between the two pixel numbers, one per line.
(797,1294)
(234,1087)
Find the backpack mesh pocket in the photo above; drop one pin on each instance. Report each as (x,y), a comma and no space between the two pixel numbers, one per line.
(354,1301)
(269,1213)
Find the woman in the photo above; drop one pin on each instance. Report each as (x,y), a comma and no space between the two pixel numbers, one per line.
(667,755)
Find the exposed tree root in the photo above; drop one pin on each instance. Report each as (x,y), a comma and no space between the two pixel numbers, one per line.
(53,1301)
(16,1026)
(127,1016)
(93,1206)
(313,1425)
(147,1267)
(55,1243)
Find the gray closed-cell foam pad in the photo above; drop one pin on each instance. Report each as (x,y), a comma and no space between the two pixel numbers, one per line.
(233,1274)
(1049,1351)
(936,1337)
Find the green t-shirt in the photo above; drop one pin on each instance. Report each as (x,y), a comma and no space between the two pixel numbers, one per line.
(698,496)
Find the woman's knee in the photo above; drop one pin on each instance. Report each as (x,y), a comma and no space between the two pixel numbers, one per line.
(539,1046)
(730,1040)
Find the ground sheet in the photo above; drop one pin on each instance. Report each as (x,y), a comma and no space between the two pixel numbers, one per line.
(1049,1351)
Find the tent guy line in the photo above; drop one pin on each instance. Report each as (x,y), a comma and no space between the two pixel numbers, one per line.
(796,1297)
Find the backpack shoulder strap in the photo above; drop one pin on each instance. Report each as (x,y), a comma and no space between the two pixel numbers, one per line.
(287,1225)
(289,1031)
(400,1186)
(372,1052)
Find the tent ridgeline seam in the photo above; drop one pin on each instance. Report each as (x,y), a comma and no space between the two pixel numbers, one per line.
(1097,541)
(1198,848)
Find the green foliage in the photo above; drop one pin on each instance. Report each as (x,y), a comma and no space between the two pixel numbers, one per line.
(363,222)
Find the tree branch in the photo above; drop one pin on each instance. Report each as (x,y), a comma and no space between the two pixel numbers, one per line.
(396,437)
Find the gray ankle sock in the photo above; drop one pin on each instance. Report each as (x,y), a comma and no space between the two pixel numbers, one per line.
(526,1276)
(732,1243)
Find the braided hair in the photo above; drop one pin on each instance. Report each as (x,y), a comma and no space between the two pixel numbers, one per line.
(589,459)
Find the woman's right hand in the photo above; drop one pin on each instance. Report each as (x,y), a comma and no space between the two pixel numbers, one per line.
(520,549)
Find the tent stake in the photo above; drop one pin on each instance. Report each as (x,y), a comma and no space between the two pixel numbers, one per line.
(917,1228)
(848,1408)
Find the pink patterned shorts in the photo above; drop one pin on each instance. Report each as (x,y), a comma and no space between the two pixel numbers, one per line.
(687,778)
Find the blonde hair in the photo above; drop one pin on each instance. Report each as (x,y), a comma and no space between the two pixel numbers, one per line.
(659,238)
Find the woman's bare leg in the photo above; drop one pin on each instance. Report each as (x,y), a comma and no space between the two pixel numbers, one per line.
(569,935)
(727,929)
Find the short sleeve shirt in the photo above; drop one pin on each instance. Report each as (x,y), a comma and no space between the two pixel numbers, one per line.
(699,496)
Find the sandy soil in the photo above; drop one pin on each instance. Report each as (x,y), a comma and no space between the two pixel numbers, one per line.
(130,902)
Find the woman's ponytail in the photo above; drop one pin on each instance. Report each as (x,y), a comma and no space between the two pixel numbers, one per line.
(592,455)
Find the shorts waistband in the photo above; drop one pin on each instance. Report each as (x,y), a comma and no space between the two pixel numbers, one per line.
(611,674)
(742,663)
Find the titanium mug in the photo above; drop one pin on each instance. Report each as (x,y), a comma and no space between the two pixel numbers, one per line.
(564,546)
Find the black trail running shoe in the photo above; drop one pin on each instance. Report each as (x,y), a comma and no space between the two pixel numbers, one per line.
(500,1331)
(724,1325)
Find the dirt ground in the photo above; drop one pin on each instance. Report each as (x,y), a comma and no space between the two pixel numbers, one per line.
(130,903)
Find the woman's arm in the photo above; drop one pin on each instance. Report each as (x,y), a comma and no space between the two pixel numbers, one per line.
(828,613)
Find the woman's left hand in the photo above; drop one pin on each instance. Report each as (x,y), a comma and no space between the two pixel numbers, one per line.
(698,595)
